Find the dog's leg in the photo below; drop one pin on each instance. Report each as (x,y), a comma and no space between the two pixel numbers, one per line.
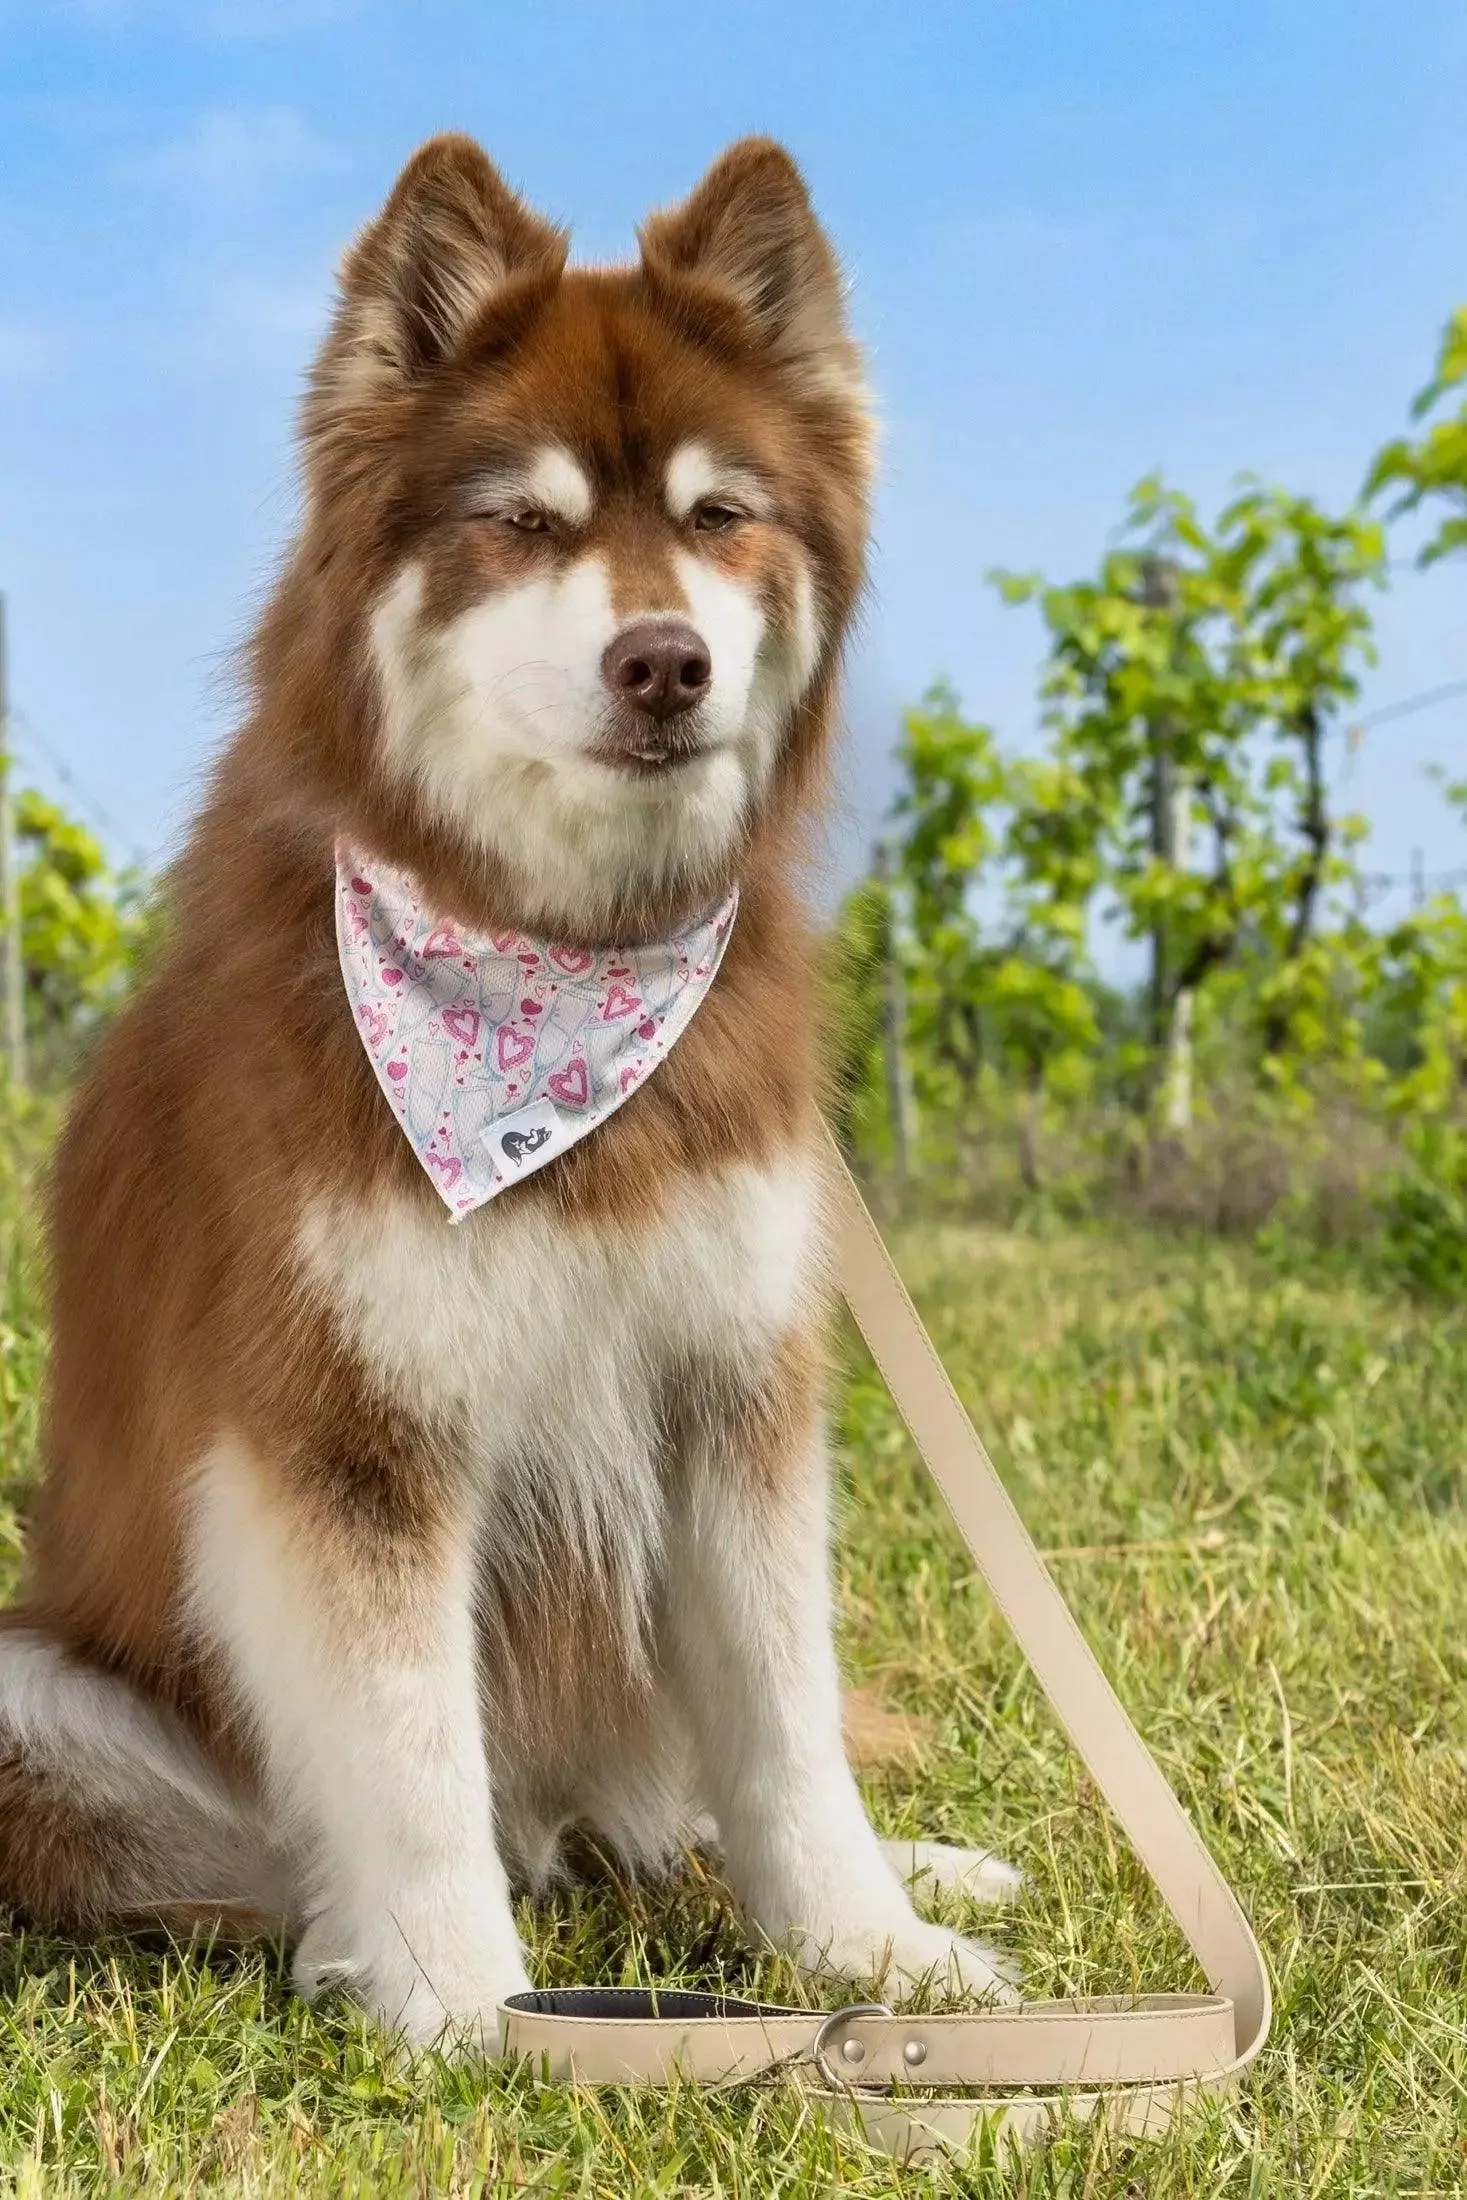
(352,1648)
(752,1655)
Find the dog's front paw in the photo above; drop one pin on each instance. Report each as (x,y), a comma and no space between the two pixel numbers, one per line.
(446,1997)
(917,1958)
(943,1963)
(975,1874)
(462,2019)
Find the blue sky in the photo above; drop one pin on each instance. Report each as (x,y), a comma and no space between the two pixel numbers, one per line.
(1085,240)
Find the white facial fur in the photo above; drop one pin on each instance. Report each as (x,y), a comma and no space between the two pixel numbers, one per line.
(557,483)
(495,719)
(551,483)
(695,476)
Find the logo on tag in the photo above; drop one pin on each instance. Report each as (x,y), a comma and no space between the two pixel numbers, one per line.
(520,1142)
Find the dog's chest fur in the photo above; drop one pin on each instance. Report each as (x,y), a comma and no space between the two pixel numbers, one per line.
(548,1351)
(559,1360)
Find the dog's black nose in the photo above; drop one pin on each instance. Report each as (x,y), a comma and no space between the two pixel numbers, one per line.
(660,665)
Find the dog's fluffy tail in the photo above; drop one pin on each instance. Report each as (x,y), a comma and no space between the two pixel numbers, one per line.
(110,1812)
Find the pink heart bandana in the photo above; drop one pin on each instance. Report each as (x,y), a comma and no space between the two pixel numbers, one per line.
(497,1052)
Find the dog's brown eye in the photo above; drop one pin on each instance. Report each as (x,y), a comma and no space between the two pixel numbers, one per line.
(528,522)
(715,519)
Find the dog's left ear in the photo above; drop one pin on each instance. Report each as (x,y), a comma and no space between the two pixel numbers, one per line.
(749,233)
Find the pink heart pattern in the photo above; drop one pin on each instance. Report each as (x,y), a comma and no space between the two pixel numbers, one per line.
(461,1024)
(512,1047)
(571,1085)
(464,1031)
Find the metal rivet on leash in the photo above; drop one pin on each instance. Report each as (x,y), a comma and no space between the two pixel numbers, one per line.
(915,2053)
(852,2050)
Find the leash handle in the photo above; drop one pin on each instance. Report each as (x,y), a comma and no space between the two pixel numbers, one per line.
(1004,1552)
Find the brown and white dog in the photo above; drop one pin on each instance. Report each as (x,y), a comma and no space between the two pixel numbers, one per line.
(373,1553)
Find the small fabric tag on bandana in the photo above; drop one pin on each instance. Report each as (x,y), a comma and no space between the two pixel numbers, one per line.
(497,1052)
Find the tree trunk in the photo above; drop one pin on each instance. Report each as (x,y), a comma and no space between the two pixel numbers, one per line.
(1171,813)
(1177,1086)
(1029,1171)
(1314,825)
(970,1018)
(1177,1112)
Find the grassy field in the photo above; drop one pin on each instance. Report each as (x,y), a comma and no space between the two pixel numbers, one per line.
(1252,1487)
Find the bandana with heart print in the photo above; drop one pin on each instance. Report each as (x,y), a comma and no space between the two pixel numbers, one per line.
(499,1051)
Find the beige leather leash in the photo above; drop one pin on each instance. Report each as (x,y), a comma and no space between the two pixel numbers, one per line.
(1131,2061)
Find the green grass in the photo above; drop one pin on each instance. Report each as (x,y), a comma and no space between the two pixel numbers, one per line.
(1252,1484)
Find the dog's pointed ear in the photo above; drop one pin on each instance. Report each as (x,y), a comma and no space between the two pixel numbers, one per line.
(749,232)
(452,237)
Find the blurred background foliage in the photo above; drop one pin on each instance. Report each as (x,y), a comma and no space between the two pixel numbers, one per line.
(1280,1065)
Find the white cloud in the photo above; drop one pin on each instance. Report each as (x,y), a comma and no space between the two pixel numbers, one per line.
(231,155)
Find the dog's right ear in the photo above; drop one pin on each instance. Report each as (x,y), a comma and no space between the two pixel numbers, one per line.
(451,238)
